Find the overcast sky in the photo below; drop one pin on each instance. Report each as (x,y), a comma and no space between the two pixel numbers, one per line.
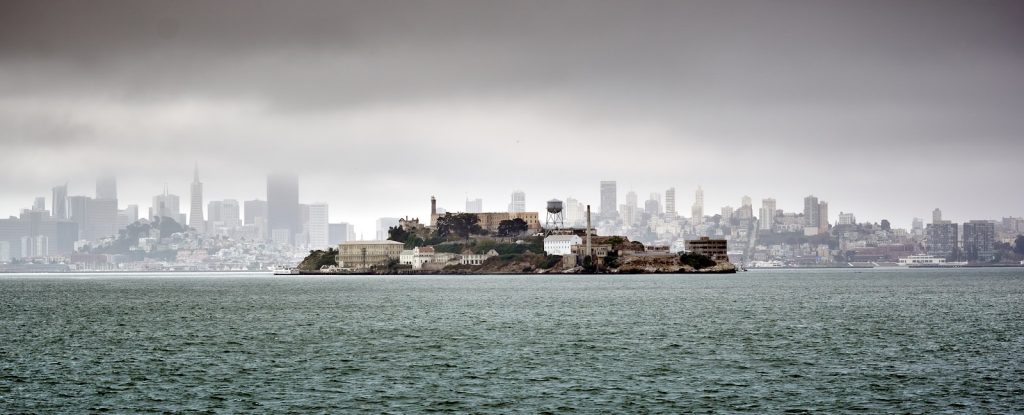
(884,108)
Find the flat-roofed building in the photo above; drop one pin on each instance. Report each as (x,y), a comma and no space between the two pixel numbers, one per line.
(717,249)
(364,254)
(561,244)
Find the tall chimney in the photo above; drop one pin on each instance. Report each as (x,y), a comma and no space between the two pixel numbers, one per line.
(588,230)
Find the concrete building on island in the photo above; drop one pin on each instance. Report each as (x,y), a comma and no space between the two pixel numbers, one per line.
(364,254)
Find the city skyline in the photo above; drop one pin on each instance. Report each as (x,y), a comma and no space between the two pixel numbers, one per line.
(776,99)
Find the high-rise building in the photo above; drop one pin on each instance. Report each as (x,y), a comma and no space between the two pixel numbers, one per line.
(574,213)
(609,200)
(106,187)
(941,239)
(652,206)
(256,215)
(766,218)
(746,201)
(317,226)
(474,205)
(230,213)
(340,232)
(746,210)
(39,204)
(811,211)
(283,215)
(383,225)
(916,224)
(78,212)
(847,218)
(518,203)
(127,216)
(936,216)
(213,212)
(670,201)
(727,212)
(59,202)
(631,199)
(823,217)
(979,240)
(167,205)
(698,207)
(102,219)
(195,214)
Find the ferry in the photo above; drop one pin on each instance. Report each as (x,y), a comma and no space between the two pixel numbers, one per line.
(286,271)
(921,261)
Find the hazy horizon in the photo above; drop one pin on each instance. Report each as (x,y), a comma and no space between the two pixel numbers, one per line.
(887,109)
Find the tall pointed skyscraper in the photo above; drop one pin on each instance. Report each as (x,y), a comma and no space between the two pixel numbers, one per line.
(195,214)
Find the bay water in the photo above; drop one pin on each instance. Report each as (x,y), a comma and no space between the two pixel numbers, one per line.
(836,341)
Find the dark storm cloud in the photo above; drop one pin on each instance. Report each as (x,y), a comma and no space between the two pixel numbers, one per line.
(775,87)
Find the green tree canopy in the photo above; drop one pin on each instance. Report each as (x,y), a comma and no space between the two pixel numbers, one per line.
(512,227)
(460,224)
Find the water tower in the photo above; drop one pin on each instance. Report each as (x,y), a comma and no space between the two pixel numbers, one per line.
(556,215)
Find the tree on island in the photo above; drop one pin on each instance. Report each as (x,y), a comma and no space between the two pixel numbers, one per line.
(1018,245)
(513,227)
(460,224)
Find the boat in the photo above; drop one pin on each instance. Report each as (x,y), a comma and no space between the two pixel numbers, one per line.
(929,261)
(286,271)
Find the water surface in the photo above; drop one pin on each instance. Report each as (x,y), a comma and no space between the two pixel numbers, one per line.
(913,341)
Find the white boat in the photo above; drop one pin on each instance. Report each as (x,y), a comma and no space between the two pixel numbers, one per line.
(922,260)
(286,271)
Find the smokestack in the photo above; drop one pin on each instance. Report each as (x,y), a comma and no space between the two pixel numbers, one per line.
(588,230)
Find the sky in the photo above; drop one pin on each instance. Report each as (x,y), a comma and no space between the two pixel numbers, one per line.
(886,109)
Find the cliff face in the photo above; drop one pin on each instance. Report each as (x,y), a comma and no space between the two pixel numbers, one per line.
(665,264)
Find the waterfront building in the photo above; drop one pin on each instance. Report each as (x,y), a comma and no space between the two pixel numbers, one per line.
(942,239)
(364,254)
(283,214)
(979,240)
(716,249)
(195,214)
(561,244)
(609,200)
(477,205)
(518,203)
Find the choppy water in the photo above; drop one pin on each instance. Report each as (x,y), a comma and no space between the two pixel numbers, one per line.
(910,341)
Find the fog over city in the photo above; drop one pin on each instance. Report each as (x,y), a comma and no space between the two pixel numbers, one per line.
(887,109)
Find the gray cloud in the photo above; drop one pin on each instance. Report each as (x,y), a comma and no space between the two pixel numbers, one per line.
(854,101)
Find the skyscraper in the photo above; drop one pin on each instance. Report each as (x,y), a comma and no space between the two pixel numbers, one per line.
(283,216)
(822,217)
(230,213)
(59,202)
(256,215)
(811,211)
(979,240)
(609,200)
(518,203)
(317,226)
(167,205)
(78,212)
(106,187)
(195,214)
(340,232)
(670,201)
(766,219)
(936,216)
(383,225)
(474,205)
(698,207)
(941,239)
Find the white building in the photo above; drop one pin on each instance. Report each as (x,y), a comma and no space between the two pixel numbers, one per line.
(318,226)
(561,244)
